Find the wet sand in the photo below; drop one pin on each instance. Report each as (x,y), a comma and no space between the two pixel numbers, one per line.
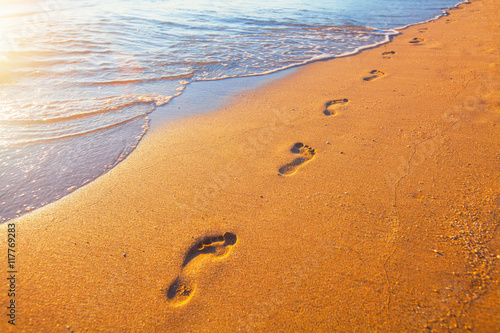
(358,194)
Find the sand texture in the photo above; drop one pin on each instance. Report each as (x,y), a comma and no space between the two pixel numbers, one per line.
(357,194)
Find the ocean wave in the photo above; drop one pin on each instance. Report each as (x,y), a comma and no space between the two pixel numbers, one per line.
(54,124)
(33,137)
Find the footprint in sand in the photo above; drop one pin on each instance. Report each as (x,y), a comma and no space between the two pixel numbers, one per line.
(207,249)
(387,55)
(416,40)
(330,106)
(306,154)
(374,74)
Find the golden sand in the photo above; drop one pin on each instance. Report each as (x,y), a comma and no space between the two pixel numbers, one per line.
(358,194)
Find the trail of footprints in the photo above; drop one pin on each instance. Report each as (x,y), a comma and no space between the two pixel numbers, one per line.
(212,248)
(207,249)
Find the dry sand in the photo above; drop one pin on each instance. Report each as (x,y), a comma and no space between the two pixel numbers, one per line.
(358,194)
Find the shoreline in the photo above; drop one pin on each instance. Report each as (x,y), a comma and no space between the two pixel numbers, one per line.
(359,193)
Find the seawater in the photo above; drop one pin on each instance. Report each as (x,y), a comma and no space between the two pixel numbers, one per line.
(79,79)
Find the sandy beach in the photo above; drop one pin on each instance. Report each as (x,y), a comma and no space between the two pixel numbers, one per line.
(357,194)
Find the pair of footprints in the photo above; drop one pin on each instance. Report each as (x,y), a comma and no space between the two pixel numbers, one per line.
(374,74)
(208,249)
(213,248)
